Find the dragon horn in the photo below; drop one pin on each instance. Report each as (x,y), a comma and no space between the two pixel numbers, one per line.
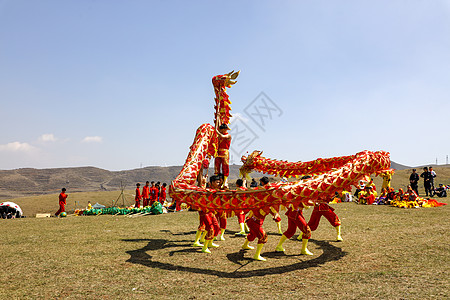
(235,74)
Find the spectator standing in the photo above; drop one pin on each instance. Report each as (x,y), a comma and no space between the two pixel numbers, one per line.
(137,197)
(414,181)
(426,175)
(433,175)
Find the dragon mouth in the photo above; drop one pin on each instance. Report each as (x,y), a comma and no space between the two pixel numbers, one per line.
(231,78)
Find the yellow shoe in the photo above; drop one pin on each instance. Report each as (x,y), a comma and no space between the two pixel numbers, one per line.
(197,244)
(279,247)
(197,238)
(205,248)
(279,227)
(211,244)
(242,232)
(305,250)
(220,237)
(338,231)
(258,253)
(246,245)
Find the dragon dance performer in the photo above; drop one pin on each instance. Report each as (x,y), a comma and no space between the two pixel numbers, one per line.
(296,220)
(153,193)
(138,196)
(146,194)
(163,194)
(327,211)
(62,202)
(254,221)
(241,214)
(221,162)
(221,216)
(211,225)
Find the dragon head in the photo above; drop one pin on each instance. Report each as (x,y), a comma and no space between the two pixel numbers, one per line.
(226,80)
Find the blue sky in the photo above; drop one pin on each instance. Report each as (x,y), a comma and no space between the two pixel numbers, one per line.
(124,84)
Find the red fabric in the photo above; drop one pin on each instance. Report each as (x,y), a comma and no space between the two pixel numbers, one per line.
(153,194)
(201,218)
(137,198)
(222,217)
(329,214)
(241,218)
(146,192)
(211,226)
(62,208)
(296,220)
(256,230)
(162,196)
(62,203)
(62,197)
(224,145)
(221,162)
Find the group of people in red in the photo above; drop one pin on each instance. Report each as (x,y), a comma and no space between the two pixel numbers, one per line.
(150,194)
(212,226)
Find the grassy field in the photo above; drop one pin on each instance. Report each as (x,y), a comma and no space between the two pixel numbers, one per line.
(387,253)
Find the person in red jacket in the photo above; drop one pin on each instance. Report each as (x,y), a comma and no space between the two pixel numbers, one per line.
(221,162)
(62,202)
(153,193)
(162,194)
(255,221)
(138,196)
(146,194)
(327,211)
(212,227)
(241,215)
(296,219)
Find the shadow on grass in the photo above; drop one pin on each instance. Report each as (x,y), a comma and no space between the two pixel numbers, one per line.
(140,256)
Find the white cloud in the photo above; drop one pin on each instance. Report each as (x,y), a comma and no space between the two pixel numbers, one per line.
(238,116)
(48,137)
(92,139)
(17,147)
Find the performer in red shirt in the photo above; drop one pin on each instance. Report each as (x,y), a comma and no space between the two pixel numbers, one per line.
(241,215)
(255,220)
(138,196)
(211,225)
(62,202)
(327,211)
(296,219)
(146,194)
(162,194)
(153,193)
(221,162)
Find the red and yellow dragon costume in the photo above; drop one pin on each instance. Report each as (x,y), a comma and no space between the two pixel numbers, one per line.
(328,175)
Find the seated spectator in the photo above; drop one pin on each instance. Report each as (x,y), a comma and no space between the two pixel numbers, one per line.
(367,196)
(381,200)
(441,191)
(399,195)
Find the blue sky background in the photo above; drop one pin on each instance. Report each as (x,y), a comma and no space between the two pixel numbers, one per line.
(124,84)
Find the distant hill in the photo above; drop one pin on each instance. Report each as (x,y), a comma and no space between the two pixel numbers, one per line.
(32,182)
(398,166)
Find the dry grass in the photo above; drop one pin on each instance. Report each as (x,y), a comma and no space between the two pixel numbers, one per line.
(387,253)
